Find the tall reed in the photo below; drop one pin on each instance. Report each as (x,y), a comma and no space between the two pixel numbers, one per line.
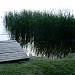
(52,33)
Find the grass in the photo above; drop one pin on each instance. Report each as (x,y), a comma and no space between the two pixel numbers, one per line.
(71,55)
(39,66)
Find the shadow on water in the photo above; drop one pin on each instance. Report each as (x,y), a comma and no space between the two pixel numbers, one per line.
(42,34)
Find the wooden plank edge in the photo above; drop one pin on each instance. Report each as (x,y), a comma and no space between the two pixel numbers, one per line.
(14,61)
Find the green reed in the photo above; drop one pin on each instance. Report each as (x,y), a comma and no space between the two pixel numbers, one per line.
(52,33)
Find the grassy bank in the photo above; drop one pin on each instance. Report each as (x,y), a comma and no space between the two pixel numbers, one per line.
(39,66)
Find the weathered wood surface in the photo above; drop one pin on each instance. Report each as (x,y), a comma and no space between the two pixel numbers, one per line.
(11,50)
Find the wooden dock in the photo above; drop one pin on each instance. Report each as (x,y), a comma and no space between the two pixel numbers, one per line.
(10,50)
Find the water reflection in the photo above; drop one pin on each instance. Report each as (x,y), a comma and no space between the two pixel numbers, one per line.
(4,37)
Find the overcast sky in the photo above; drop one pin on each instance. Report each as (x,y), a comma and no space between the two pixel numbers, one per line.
(6,5)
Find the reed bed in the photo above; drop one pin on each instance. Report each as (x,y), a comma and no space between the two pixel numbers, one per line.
(51,33)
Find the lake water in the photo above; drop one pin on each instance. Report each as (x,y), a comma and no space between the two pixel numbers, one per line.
(3,33)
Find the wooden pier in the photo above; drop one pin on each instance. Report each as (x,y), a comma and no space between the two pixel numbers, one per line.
(10,50)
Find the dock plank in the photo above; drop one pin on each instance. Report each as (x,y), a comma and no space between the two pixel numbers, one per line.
(11,50)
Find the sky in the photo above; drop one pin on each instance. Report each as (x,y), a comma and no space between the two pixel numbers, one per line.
(12,5)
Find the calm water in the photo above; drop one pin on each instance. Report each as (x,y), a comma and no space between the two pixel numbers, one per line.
(3,33)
